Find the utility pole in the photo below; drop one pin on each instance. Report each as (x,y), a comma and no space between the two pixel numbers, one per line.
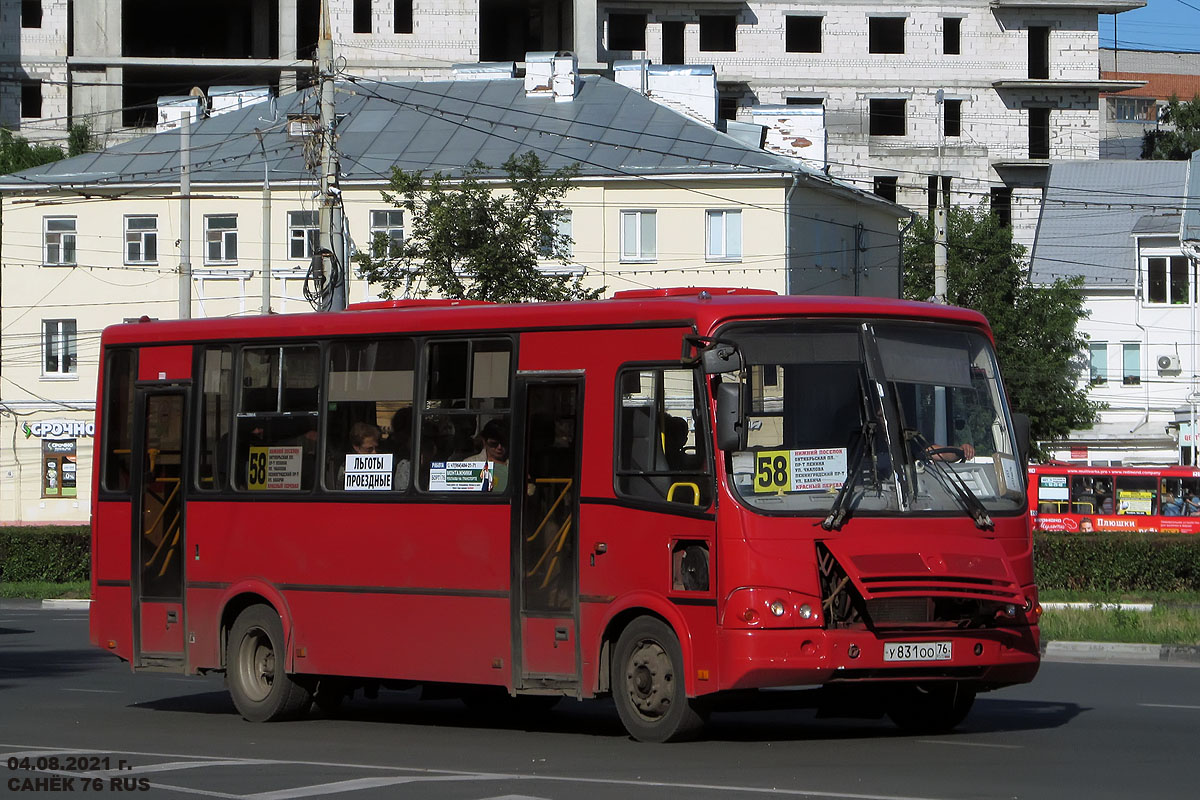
(185,211)
(266,228)
(330,213)
(940,254)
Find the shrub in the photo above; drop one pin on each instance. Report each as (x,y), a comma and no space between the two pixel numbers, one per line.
(43,553)
(1117,562)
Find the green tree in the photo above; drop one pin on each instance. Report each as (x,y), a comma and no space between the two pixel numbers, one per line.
(469,238)
(1037,340)
(18,153)
(1178,144)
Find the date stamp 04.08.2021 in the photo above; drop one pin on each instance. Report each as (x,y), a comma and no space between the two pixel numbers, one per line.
(71,773)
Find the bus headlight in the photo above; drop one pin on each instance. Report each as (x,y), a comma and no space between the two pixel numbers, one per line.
(765,607)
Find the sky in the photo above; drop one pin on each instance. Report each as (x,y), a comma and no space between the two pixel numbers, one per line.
(1161,25)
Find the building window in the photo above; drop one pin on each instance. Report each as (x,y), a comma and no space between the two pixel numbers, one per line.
(952,36)
(387,233)
(885,35)
(932,192)
(1131,363)
(1133,109)
(1098,361)
(803,34)
(141,240)
(1039,52)
(31,13)
(220,239)
(724,236)
(718,32)
(59,237)
(1002,205)
(1167,280)
(31,99)
(303,236)
(805,101)
(58,347)
(362,16)
(402,17)
(626,31)
(887,117)
(58,468)
(1039,133)
(638,236)
(885,186)
(557,242)
(672,42)
(952,117)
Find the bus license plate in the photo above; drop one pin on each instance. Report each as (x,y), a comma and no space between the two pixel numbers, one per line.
(917,651)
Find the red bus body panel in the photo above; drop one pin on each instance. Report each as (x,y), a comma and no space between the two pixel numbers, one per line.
(421,591)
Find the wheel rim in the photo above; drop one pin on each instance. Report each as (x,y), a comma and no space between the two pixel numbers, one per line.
(650,680)
(256,664)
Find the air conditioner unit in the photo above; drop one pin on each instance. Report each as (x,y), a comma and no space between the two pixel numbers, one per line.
(1168,365)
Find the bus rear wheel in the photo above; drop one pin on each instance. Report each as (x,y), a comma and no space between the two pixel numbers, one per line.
(648,684)
(927,708)
(254,669)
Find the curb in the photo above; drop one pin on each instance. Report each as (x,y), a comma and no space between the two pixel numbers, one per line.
(1118,651)
(66,603)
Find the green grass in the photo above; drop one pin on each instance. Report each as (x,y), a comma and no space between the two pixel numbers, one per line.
(1163,625)
(1071,596)
(41,590)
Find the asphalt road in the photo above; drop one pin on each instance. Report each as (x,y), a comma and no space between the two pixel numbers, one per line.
(1080,730)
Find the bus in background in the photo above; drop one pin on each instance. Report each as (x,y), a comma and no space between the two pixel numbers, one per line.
(1068,497)
(660,497)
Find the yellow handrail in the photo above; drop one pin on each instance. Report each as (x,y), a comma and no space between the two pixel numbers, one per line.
(695,487)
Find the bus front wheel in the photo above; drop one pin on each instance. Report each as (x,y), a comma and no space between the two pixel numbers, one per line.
(254,669)
(648,684)
(928,708)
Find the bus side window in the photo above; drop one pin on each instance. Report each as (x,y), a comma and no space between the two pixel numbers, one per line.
(662,449)
(212,473)
(276,436)
(371,384)
(121,372)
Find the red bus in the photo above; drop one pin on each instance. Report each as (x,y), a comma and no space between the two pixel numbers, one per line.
(1068,497)
(659,497)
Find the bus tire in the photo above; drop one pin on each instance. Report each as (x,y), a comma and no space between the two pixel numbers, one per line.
(254,669)
(928,708)
(648,684)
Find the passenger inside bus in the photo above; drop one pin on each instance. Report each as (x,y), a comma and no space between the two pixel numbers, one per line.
(494,441)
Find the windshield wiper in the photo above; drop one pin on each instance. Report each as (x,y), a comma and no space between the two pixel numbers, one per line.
(952,482)
(839,512)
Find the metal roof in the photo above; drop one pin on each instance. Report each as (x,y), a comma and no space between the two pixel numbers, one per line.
(1091,211)
(607,129)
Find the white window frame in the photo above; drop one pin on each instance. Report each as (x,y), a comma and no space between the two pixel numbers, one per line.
(721,226)
(226,239)
(144,239)
(1098,368)
(303,234)
(1148,254)
(561,222)
(60,340)
(60,239)
(389,222)
(643,221)
(1128,378)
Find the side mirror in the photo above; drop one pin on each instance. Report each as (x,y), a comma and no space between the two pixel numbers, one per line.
(729,416)
(1021,433)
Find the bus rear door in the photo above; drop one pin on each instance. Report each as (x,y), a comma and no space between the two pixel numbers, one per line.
(160,414)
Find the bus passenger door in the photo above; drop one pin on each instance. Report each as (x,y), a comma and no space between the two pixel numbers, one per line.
(158,526)
(545,529)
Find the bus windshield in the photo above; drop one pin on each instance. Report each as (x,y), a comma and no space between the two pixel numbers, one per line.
(899,417)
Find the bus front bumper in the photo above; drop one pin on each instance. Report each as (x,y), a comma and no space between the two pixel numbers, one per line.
(990,657)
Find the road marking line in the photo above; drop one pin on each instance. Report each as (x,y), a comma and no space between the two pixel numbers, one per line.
(170,766)
(1168,705)
(356,784)
(974,744)
(97,691)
